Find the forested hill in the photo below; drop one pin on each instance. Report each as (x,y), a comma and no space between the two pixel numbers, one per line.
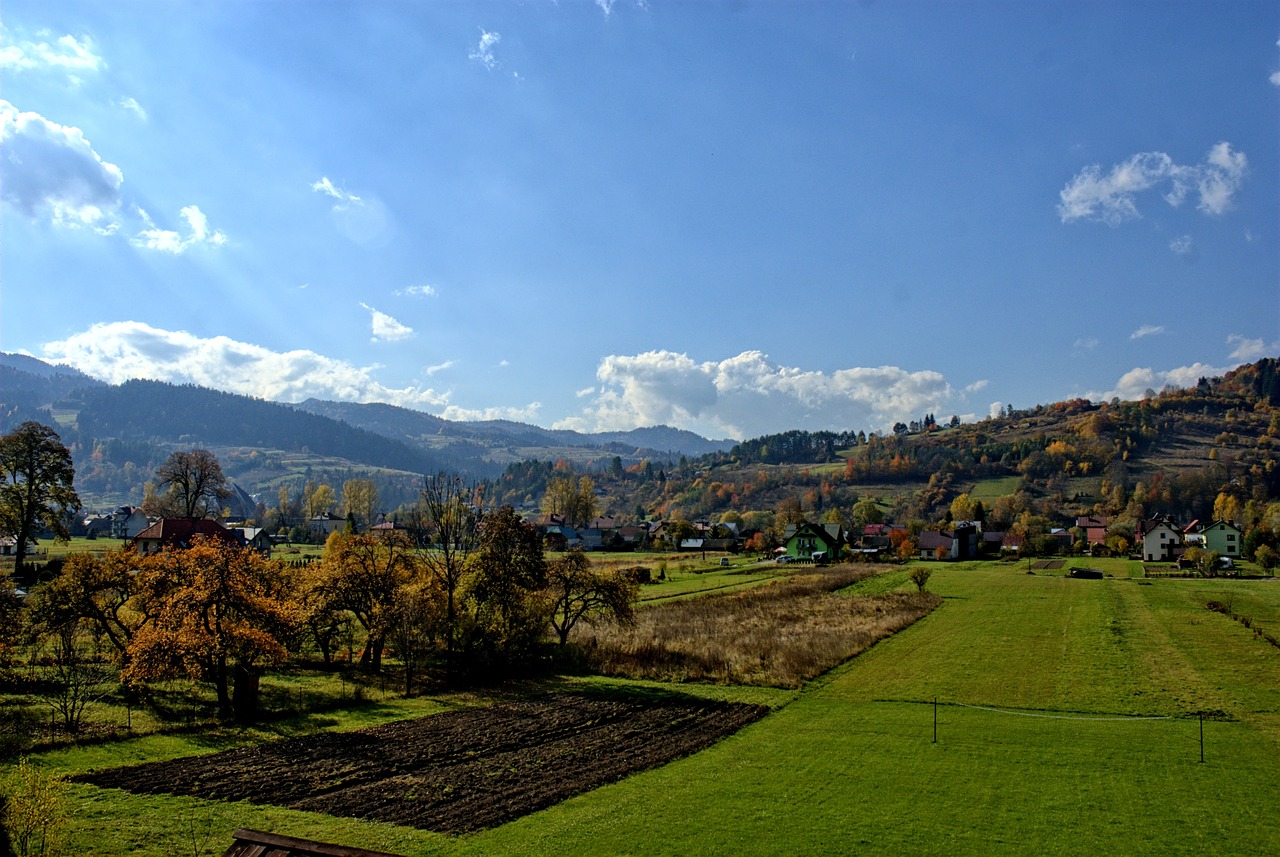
(151,409)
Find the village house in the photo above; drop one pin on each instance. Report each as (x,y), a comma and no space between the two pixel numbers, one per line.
(181,533)
(1161,540)
(1223,537)
(805,540)
(957,543)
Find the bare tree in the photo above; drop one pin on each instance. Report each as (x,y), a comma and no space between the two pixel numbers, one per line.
(194,485)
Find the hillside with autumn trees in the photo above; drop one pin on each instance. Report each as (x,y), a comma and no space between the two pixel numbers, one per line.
(1173,452)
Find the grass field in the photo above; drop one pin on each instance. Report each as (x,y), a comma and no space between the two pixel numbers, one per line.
(1072,760)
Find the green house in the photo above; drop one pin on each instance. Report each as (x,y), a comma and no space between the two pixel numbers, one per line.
(1223,537)
(803,540)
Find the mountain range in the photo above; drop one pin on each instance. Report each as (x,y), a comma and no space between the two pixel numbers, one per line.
(112,428)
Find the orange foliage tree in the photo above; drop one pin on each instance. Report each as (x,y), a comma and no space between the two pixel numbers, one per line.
(218,611)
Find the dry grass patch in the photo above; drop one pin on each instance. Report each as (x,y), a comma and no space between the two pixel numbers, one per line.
(778,635)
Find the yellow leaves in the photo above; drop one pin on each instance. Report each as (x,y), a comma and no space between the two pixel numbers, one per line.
(35,810)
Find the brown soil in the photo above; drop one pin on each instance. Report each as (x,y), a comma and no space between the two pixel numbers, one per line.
(454,772)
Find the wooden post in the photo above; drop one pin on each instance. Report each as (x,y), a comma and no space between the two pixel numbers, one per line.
(935,720)
(1202,736)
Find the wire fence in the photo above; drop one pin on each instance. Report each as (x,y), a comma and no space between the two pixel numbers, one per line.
(953,731)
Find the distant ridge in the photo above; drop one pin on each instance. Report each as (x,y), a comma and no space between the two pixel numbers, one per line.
(415,426)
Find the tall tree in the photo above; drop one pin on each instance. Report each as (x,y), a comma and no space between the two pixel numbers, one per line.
(360,499)
(363,573)
(193,483)
(452,505)
(319,499)
(508,567)
(572,500)
(36,485)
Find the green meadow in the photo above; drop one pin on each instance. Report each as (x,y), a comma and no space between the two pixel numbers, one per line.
(1068,721)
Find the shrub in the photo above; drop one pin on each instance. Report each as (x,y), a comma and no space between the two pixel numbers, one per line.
(920,576)
(35,809)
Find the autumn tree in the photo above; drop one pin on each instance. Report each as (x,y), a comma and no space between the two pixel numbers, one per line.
(360,501)
(193,486)
(507,568)
(1226,507)
(36,485)
(319,499)
(221,613)
(574,501)
(362,573)
(866,511)
(452,506)
(575,591)
(100,589)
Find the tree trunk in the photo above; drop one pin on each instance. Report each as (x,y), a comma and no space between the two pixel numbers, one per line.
(220,683)
(245,695)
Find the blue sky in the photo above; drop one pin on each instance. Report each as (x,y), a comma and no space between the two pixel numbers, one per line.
(737,218)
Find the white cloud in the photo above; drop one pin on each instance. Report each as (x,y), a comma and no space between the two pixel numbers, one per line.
(169,241)
(483,52)
(66,53)
(417,292)
(502,364)
(1147,330)
(328,188)
(385,327)
(747,395)
(1249,350)
(1135,383)
(440,367)
(51,171)
(132,105)
(995,409)
(584,392)
(119,351)
(976,386)
(1183,245)
(1275,78)
(1109,197)
(1087,343)
(606,6)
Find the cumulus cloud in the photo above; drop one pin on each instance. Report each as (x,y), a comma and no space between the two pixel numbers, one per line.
(976,386)
(385,327)
(51,172)
(118,351)
(1249,350)
(747,395)
(1135,383)
(1147,330)
(1110,197)
(1183,245)
(483,52)
(66,54)
(417,292)
(169,241)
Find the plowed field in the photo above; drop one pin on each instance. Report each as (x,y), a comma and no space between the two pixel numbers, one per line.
(453,772)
